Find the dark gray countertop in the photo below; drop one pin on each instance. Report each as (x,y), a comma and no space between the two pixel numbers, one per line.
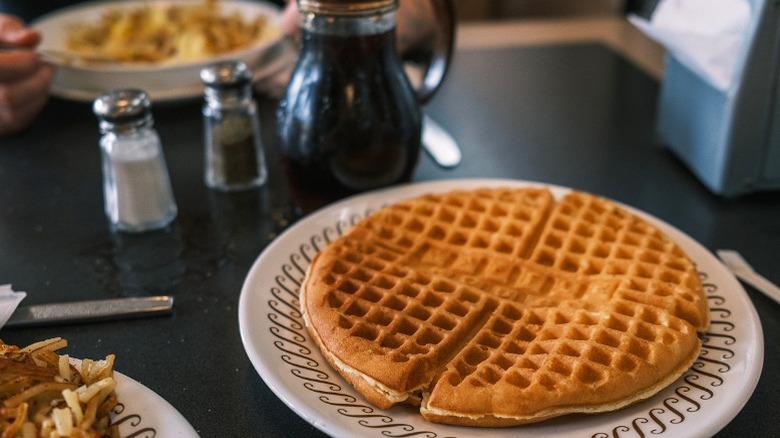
(576,115)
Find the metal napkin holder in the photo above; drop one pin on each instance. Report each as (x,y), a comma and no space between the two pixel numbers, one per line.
(729,139)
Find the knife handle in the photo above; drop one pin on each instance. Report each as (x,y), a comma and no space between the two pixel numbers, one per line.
(762,284)
(90,311)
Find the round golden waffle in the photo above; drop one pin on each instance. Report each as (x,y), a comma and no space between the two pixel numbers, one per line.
(504,306)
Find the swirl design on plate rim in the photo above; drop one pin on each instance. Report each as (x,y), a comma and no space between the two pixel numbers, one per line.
(696,387)
(119,417)
(690,393)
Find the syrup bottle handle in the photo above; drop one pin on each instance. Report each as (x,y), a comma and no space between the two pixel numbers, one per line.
(444,14)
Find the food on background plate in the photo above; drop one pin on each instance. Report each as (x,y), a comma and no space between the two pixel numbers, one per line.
(43,394)
(159,32)
(505,306)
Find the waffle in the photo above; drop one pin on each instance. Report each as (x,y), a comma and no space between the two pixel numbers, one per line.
(505,306)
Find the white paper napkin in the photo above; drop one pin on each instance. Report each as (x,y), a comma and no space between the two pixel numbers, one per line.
(704,35)
(9,300)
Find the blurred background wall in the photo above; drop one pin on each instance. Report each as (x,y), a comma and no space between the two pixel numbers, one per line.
(514,9)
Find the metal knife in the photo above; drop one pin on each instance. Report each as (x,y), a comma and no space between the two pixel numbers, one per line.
(89,311)
(439,144)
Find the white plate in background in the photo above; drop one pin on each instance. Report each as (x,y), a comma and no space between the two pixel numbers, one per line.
(165,81)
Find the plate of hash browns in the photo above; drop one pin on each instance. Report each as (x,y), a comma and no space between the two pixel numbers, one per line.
(158,46)
(44,393)
(498,308)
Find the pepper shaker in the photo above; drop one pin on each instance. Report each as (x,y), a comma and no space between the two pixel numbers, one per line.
(136,186)
(234,154)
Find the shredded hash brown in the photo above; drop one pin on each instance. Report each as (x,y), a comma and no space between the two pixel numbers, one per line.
(156,32)
(42,394)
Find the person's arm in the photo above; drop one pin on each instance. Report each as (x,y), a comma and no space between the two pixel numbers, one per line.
(24,77)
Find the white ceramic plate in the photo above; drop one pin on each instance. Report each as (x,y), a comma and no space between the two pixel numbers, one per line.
(699,404)
(168,81)
(140,412)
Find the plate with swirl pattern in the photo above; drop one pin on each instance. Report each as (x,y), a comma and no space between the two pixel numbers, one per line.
(142,413)
(699,403)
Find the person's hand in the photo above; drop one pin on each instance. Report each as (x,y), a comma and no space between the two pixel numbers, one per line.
(289,19)
(24,77)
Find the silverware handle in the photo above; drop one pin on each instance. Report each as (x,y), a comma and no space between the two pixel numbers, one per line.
(89,311)
(762,284)
(439,144)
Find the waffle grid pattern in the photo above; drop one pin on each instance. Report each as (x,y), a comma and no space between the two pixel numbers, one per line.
(408,317)
(518,305)
(558,356)
(589,236)
(499,222)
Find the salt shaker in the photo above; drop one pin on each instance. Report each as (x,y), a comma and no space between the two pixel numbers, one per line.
(234,157)
(136,185)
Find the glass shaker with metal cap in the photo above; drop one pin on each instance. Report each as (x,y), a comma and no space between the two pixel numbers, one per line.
(233,148)
(136,185)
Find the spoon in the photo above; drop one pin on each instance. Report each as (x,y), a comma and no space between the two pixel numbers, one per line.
(62,57)
(439,144)
(69,58)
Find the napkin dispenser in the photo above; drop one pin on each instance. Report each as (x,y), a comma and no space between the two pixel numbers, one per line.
(729,138)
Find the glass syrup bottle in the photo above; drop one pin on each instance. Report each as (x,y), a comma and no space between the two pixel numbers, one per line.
(350,120)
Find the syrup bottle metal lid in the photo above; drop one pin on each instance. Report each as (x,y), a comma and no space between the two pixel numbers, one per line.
(346,7)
